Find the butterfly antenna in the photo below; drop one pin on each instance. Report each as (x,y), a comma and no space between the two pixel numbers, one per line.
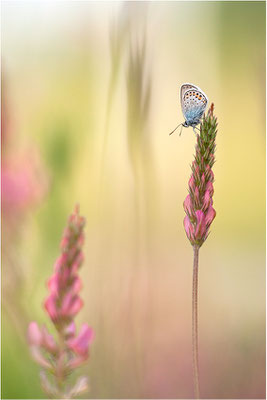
(181,130)
(174,129)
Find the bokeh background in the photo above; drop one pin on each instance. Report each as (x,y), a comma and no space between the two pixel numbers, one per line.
(90,91)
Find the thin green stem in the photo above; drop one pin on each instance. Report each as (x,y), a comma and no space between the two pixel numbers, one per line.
(195,322)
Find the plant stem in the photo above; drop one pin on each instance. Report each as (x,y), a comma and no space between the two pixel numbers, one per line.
(195,322)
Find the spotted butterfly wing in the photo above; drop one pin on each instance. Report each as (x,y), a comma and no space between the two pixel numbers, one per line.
(185,87)
(193,102)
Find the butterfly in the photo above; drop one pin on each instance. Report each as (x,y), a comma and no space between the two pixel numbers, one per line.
(194,103)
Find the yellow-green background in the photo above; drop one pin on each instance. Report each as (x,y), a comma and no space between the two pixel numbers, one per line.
(56,77)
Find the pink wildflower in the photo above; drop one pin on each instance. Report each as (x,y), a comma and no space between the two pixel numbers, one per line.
(198,204)
(200,214)
(62,304)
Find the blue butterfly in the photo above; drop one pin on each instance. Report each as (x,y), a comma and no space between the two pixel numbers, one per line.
(194,103)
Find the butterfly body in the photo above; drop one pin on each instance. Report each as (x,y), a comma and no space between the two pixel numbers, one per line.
(194,103)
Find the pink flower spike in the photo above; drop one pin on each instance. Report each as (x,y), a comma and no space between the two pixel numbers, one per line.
(80,344)
(35,336)
(62,305)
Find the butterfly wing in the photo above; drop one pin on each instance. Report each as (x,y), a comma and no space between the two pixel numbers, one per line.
(185,87)
(194,102)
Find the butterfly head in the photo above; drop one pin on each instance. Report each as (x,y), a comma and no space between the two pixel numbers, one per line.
(186,124)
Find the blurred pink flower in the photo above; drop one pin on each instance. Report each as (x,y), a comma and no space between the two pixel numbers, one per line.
(24,182)
(34,334)
(62,304)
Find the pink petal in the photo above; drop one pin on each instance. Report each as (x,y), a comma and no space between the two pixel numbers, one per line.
(80,344)
(207,200)
(38,357)
(71,305)
(196,194)
(53,284)
(191,183)
(70,330)
(77,361)
(188,205)
(64,243)
(76,285)
(64,277)
(60,262)
(209,187)
(210,215)
(188,228)
(48,341)
(50,306)
(77,304)
(80,387)
(66,303)
(200,227)
(47,386)
(35,336)
(209,173)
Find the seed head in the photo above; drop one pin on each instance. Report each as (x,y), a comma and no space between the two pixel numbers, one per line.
(198,203)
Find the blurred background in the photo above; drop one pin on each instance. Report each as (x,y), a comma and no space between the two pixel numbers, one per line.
(90,92)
